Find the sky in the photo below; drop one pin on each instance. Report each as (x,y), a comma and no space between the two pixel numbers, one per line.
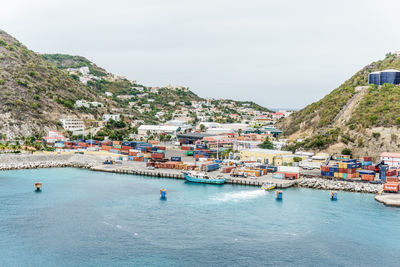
(280,54)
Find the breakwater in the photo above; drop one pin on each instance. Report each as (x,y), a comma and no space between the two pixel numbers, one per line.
(28,161)
(324,184)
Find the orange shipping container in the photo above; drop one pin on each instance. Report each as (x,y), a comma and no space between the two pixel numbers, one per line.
(367,177)
(392,179)
(391,187)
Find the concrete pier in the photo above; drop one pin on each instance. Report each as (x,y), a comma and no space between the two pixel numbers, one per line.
(389,199)
(175,174)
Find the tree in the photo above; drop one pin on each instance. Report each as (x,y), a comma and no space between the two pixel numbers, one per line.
(240,132)
(347,151)
(297,159)
(267,144)
(202,127)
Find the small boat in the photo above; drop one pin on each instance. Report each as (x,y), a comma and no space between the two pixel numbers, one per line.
(199,177)
(268,186)
(38,187)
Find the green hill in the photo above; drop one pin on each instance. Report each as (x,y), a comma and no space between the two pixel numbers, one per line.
(34,92)
(352,115)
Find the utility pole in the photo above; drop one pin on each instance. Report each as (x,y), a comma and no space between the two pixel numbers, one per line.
(217,149)
(8,131)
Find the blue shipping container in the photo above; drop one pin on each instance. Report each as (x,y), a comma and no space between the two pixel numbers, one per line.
(176,159)
(114,151)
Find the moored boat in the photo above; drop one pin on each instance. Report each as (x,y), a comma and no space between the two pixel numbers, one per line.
(268,186)
(198,177)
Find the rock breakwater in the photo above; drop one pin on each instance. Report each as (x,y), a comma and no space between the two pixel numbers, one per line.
(319,183)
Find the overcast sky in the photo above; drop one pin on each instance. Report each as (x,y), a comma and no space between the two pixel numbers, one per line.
(276,53)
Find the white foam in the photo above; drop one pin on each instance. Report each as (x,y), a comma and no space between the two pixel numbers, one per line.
(239,196)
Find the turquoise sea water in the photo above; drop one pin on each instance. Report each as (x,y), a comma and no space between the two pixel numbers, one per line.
(85,218)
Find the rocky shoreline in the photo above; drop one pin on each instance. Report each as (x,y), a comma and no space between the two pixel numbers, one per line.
(324,184)
(19,162)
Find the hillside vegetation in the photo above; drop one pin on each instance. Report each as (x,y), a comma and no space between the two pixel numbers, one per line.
(378,110)
(34,92)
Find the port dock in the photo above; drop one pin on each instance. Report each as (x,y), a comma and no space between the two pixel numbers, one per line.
(174,174)
(389,199)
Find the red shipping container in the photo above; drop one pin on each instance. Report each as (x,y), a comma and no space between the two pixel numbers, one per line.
(391,187)
(157,155)
(161,148)
(133,153)
(185,148)
(392,179)
(292,175)
(150,164)
(126,147)
(227,169)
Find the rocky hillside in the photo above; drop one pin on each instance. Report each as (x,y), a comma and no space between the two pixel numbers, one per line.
(37,90)
(159,98)
(34,92)
(363,118)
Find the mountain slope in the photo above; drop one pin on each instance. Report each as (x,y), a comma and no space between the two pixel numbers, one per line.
(355,115)
(34,93)
(123,86)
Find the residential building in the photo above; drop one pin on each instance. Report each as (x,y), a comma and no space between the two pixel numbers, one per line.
(84,103)
(391,159)
(72,124)
(54,136)
(115,117)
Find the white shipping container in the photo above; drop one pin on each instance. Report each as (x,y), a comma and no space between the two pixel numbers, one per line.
(310,164)
(288,169)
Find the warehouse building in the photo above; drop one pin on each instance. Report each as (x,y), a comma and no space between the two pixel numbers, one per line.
(144,130)
(385,76)
(267,156)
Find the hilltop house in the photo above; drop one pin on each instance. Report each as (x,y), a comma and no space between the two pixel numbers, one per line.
(115,117)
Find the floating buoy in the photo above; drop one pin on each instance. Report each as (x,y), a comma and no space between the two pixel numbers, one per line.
(38,187)
(163,193)
(333,195)
(279,194)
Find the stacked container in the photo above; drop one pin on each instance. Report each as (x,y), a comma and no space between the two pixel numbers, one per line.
(367,161)
(347,169)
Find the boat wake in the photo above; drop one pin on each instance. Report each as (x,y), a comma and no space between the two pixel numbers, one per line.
(239,196)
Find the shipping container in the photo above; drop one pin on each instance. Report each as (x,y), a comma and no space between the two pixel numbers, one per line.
(367,177)
(391,187)
(157,155)
(278,175)
(228,169)
(392,179)
(114,151)
(176,159)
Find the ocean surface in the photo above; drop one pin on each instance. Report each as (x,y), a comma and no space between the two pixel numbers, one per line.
(84,218)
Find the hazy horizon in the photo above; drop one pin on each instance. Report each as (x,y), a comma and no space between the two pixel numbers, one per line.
(285,53)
